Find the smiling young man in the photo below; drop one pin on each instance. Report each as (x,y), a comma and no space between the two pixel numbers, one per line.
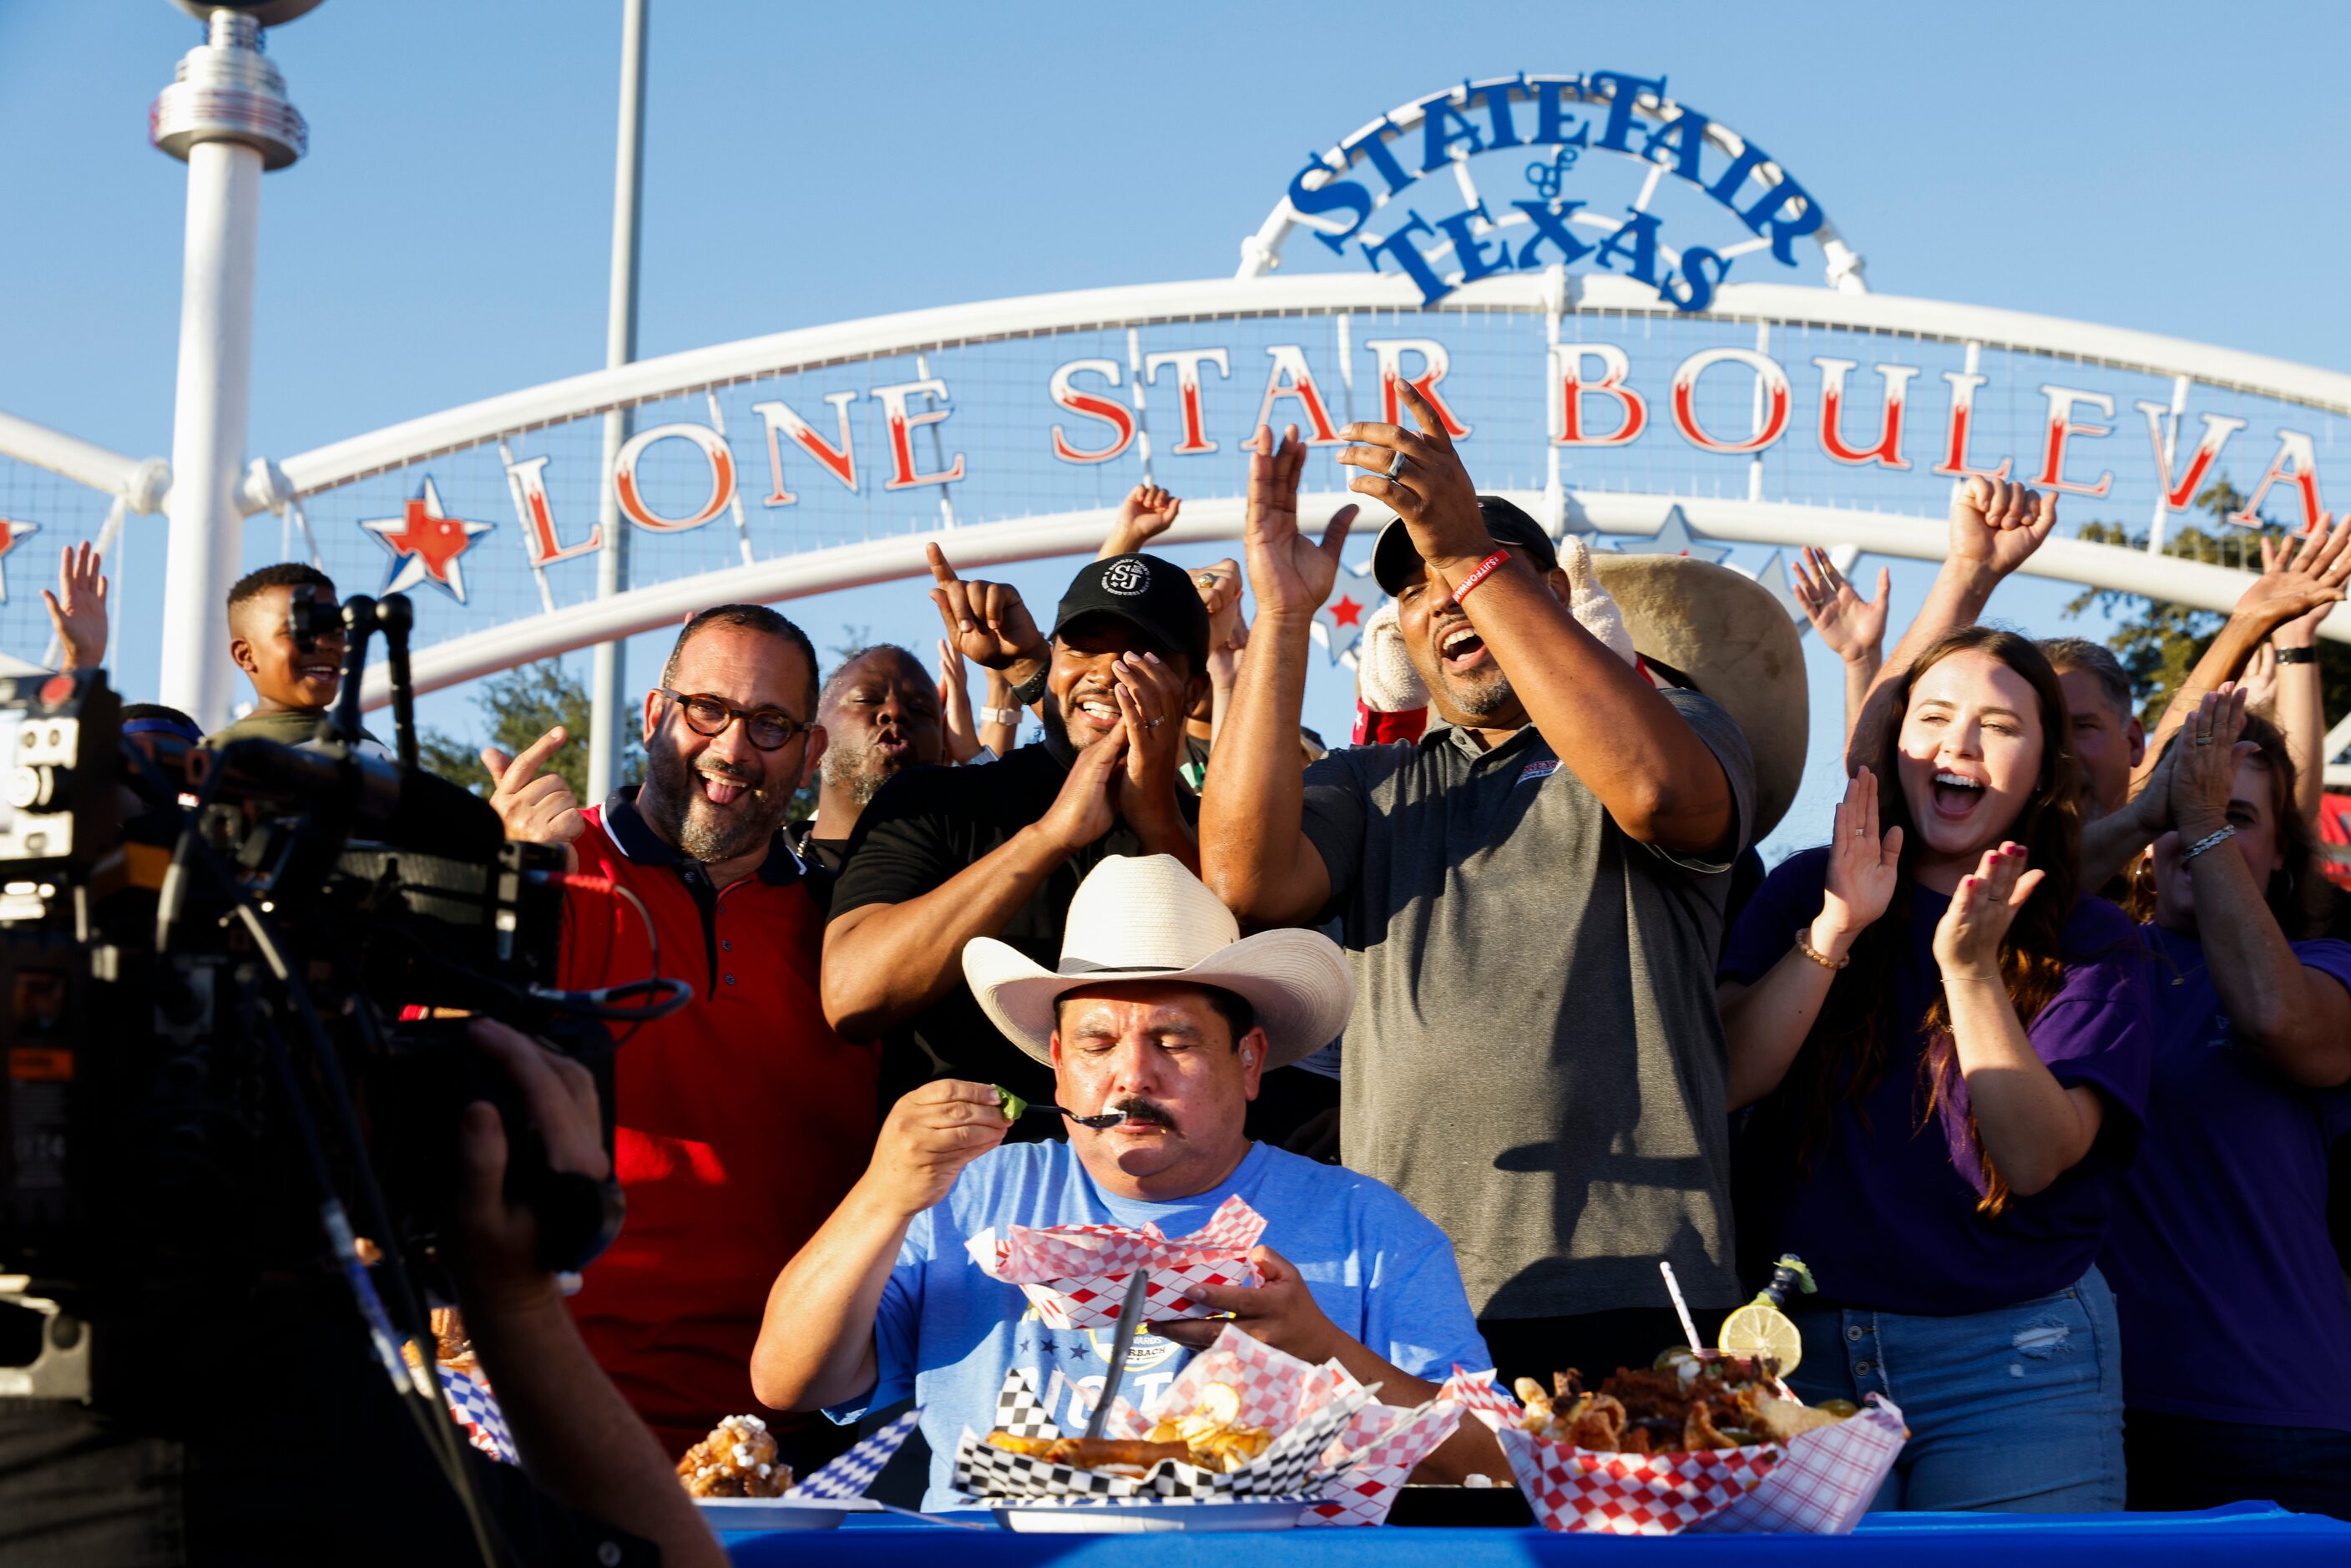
(741,1119)
(1160,1010)
(943,855)
(1531,895)
(295,679)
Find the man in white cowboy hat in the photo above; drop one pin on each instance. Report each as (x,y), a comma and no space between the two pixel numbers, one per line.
(1160,1010)
(1531,894)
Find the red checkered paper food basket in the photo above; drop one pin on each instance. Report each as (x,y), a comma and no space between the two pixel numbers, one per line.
(1076,1275)
(1820,1483)
(1382,1445)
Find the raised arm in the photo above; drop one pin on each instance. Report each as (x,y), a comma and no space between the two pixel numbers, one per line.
(1659,782)
(815,1343)
(1850,627)
(1996,525)
(78,609)
(1765,1024)
(883,963)
(2290,587)
(2301,705)
(1148,511)
(2297,1018)
(2034,1128)
(1254,852)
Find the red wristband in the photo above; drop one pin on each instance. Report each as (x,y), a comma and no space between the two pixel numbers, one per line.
(1478,573)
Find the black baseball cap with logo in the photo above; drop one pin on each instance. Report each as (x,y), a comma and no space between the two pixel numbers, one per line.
(1394,555)
(1150,593)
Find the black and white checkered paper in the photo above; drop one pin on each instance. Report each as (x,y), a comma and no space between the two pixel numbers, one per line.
(1298,1464)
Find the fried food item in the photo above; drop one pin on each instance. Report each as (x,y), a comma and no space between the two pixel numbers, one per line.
(1213,1431)
(1685,1403)
(737,1459)
(1093,1453)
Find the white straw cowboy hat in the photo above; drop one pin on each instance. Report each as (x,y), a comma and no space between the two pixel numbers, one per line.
(1738,643)
(1147,918)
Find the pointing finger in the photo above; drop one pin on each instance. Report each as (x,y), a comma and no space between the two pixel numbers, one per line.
(940,571)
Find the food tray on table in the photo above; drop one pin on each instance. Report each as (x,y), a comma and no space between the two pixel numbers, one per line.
(724,1513)
(1151,1516)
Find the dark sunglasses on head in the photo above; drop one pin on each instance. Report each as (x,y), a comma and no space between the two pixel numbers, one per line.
(768,729)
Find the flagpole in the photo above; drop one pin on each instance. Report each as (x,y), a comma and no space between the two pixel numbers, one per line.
(607,695)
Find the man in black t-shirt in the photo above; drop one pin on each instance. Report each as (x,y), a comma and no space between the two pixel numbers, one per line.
(943,855)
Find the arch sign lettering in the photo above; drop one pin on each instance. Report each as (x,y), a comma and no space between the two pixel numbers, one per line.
(1635,321)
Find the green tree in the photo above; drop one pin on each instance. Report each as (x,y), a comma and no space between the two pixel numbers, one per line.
(2159,641)
(520,705)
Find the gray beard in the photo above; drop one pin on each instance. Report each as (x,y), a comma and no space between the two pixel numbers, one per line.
(858,774)
(671,804)
(1481,698)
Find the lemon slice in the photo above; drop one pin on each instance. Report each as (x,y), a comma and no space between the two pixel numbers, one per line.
(1760,1329)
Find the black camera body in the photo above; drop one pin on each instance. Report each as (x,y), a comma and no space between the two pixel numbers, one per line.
(237,982)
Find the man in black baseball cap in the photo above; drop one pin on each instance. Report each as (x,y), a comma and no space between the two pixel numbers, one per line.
(943,855)
(1396,560)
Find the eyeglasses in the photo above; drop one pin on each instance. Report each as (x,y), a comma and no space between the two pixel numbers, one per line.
(768,729)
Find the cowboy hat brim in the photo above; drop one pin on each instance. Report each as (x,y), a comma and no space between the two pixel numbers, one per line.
(1296,981)
(1738,643)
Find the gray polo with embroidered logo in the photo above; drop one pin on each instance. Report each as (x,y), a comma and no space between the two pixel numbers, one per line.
(1535,1059)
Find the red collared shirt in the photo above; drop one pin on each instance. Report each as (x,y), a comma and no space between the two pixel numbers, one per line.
(743,1120)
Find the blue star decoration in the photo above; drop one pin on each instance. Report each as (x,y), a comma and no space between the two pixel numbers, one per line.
(1673,537)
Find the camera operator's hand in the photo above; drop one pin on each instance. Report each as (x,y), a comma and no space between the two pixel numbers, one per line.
(495,1244)
(537,807)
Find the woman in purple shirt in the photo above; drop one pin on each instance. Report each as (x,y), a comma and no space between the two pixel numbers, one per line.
(2236,1325)
(1947,1053)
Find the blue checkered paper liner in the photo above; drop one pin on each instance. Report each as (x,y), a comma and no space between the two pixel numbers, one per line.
(1294,1467)
(848,1475)
(472,1407)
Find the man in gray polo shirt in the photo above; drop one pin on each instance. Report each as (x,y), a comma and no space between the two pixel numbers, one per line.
(1532,897)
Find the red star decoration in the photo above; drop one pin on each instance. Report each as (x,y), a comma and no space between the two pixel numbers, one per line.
(12,534)
(1346,613)
(426,545)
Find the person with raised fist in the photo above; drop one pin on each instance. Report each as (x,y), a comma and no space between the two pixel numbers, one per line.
(742,1118)
(941,856)
(1531,895)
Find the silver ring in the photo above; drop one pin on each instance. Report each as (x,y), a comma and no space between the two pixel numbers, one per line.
(1395,464)
(2203,740)
(1151,724)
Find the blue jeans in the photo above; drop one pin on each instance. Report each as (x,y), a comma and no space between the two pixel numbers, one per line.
(2015,1410)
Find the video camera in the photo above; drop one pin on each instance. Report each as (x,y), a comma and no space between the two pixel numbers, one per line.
(237,981)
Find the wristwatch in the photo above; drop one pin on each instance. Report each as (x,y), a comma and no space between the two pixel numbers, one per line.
(2297,655)
(1029,690)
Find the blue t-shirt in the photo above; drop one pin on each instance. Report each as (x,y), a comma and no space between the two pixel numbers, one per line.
(1885,1209)
(947,1334)
(2230,1295)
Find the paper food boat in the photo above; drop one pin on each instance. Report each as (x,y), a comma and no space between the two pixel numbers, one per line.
(1307,1408)
(1076,1275)
(1818,1483)
(1383,1443)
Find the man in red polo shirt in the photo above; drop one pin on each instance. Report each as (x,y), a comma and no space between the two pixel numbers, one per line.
(742,1118)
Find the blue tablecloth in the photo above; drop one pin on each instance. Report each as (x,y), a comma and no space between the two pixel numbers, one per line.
(2249,1535)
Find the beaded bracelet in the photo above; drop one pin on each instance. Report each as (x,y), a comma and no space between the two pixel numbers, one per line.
(2206,843)
(1804,945)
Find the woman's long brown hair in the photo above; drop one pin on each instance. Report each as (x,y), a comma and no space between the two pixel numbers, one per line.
(1845,1056)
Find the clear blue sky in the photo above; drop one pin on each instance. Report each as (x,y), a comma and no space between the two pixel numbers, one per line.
(2175,167)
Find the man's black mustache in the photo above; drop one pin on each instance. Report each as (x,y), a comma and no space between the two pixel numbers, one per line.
(1141,1110)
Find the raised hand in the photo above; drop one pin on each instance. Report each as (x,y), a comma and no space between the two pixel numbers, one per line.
(1850,626)
(2259,682)
(1431,491)
(1148,511)
(1864,870)
(2204,758)
(1291,574)
(537,808)
(2301,582)
(1220,593)
(78,609)
(928,1139)
(1998,523)
(1967,938)
(985,621)
(1151,701)
(954,705)
(1088,802)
